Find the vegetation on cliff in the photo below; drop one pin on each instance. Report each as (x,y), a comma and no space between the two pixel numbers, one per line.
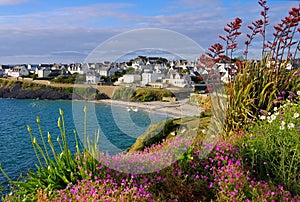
(141,94)
(30,90)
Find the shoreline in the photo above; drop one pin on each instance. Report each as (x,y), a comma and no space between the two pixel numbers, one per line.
(176,109)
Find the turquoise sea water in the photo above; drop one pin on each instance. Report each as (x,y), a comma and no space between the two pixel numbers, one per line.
(119,128)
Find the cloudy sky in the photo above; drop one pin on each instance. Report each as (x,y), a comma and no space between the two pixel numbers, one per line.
(44,31)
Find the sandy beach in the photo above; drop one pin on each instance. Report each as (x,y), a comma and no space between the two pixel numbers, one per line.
(173,109)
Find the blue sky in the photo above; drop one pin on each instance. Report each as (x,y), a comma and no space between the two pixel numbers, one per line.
(44,31)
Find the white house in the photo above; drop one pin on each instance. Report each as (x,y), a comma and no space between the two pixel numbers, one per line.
(92,77)
(130,78)
(18,71)
(43,72)
(178,80)
(75,68)
(149,77)
(107,70)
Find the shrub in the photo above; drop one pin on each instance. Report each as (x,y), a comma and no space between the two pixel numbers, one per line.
(272,145)
(257,83)
(147,94)
(123,93)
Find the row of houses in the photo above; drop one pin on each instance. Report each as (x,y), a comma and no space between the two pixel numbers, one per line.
(157,79)
(143,71)
(41,70)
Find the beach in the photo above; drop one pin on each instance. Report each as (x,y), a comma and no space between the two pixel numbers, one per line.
(176,109)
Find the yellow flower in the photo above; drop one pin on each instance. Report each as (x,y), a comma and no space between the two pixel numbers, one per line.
(58,122)
(49,137)
(38,120)
(28,128)
(61,112)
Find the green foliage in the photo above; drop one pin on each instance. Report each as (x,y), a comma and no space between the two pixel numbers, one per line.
(88,93)
(272,146)
(254,88)
(2,189)
(154,135)
(147,94)
(186,158)
(123,93)
(74,78)
(57,169)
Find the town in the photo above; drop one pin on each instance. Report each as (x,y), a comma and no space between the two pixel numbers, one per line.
(155,72)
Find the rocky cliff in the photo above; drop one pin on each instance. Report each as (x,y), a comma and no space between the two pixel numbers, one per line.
(29,90)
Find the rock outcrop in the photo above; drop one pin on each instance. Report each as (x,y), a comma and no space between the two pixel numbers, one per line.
(21,90)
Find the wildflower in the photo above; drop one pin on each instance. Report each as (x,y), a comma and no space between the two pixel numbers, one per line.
(263,117)
(298,92)
(290,125)
(58,122)
(296,115)
(281,127)
(29,128)
(298,127)
(273,117)
(282,123)
(38,120)
(61,112)
(275,109)
(49,137)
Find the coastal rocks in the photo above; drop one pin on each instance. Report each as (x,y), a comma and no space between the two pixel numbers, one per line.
(21,90)
(16,91)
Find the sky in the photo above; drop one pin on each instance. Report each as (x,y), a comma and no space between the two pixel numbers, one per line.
(65,31)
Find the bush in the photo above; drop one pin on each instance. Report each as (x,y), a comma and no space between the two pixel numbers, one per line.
(147,95)
(272,146)
(257,83)
(74,78)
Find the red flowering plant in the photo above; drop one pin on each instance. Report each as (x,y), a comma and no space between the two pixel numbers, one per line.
(257,82)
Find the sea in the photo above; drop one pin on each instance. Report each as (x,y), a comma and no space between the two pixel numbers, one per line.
(118,127)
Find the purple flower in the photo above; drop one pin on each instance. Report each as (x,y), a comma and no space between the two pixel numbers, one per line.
(297,72)
(298,127)
(292,93)
(283,93)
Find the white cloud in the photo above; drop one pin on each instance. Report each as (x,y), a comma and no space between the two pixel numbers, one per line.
(72,32)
